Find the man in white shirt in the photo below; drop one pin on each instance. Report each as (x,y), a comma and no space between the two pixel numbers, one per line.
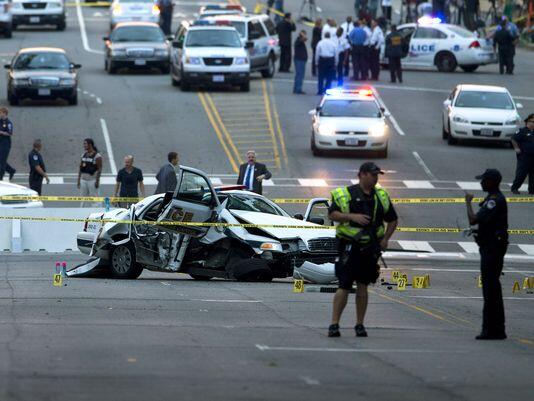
(375,43)
(386,9)
(343,46)
(347,26)
(330,27)
(325,57)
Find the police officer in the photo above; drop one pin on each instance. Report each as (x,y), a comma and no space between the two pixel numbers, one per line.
(285,28)
(492,239)
(166,8)
(37,167)
(394,53)
(361,211)
(523,143)
(504,38)
(6,132)
(357,39)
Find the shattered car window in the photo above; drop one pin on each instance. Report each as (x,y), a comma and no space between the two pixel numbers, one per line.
(254,204)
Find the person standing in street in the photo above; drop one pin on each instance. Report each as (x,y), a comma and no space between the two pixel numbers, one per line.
(252,174)
(394,53)
(166,175)
(357,38)
(330,27)
(375,43)
(6,132)
(300,60)
(285,28)
(325,57)
(89,171)
(166,8)
(347,27)
(342,45)
(128,179)
(360,211)
(316,38)
(504,39)
(367,48)
(386,9)
(523,144)
(492,240)
(37,167)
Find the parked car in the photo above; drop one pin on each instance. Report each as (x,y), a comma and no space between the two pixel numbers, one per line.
(6,18)
(132,11)
(8,189)
(39,12)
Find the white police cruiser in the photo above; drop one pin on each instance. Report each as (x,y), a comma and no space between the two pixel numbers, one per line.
(210,10)
(431,43)
(349,120)
(207,54)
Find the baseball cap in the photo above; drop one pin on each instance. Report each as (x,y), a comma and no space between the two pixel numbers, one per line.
(491,174)
(370,167)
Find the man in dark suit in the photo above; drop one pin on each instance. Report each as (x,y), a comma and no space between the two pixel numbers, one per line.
(166,175)
(251,173)
(285,28)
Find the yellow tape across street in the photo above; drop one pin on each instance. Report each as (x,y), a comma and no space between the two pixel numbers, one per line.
(223,225)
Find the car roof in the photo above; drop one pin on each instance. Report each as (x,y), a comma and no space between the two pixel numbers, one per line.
(42,49)
(136,23)
(212,27)
(487,88)
(237,17)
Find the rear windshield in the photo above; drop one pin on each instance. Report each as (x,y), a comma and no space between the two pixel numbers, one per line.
(350,108)
(213,38)
(137,34)
(486,100)
(41,61)
(464,33)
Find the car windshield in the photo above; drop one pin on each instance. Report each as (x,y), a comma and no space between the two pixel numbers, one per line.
(249,203)
(485,100)
(137,34)
(350,108)
(42,61)
(213,38)
(136,1)
(240,27)
(464,33)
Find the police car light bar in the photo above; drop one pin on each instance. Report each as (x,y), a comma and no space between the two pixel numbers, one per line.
(426,20)
(214,7)
(358,91)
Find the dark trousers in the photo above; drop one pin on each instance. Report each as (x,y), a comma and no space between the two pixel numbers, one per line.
(374,63)
(491,264)
(525,166)
(285,58)
(359,62)
(166,20)
(340,66)
(386,12)
(36,185)
(326,68)
(314,66)
(395,69)
(300,70)
(506,60)
(5,147)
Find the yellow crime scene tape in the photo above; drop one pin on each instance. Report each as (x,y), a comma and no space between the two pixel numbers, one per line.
(225,225)
(259,7)
(85,4)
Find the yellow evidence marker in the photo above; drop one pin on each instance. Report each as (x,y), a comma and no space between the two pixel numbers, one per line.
(401,283)
(479,281)
(418,281)
(528,283)
(427,281)
(298,286)
(516,287)
(395,275)
(58,280)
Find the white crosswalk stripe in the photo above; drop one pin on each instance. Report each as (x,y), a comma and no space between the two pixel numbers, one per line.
(423,246)
(418,184)
(528,249)
(468,185)
(469,247)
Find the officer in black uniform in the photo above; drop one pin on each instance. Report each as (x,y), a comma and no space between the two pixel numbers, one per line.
(523,143)
(492,239)
(37,167)
(6,132)
(394,52)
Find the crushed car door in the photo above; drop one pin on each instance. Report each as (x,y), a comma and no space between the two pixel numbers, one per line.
(317,212)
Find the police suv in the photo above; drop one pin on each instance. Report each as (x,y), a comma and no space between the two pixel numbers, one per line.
(39,12)
(349,120)
(431,43)
(260,31)
(208,54)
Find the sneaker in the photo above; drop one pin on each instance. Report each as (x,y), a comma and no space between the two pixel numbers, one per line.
(333,330)
(360,330)
(515,191)
(12,174)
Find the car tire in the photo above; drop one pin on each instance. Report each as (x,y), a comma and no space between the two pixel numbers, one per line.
(383,153)
(165,69)
(469,68)
(73,101)
(251,270)
(9,33)
(111,68)
(446,62)
(444,133)
(174,81)
(61,26)
(271,68)
(122,263)
(451,140)
(198,277)
(245,87)
(13,26)
(12,99)
(184,85)
(315,151)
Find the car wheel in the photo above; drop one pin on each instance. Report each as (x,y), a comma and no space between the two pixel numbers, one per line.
(451,140)
(200,278)
(111,68)
(73,101)
(469,68)
(383,153)
(184,85)
(271,68)
(315,151)
(9,33)
(245,87)
(174,81)
(13,26)
(122,262)
(61,26)
(446,62)
(251,270)
(444,133)
(165,69)
(12,99)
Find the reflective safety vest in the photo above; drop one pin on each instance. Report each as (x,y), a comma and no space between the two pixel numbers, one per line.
(341,197)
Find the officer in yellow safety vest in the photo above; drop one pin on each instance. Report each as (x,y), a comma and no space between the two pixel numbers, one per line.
(360,211)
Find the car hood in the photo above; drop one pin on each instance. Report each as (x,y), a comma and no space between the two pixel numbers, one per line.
(350,123)
(305,234)
(216,52)
(485,115)
(43,74)
(142,45)
(7,188)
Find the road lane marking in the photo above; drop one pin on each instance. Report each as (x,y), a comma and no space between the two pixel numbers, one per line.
(312,182)
(263,347)
(391,117)
(469,247)
(109,149)
(310,381)
(83,32)
(270,125)
(469,185)
(528,249)
(279,127)
(466,297)
(423,246)
(421,162)
(414,184)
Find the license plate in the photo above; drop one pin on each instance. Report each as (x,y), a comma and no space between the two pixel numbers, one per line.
(486,132)
(218,78)
(352,142)
(44,92)
(140,62)
(35,20)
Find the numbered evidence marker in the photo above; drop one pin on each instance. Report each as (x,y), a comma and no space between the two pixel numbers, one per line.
(418,281)
(516,287)
(528,283)
(58,280)
(298,286)
(401,283)
(479,281)
(395,275)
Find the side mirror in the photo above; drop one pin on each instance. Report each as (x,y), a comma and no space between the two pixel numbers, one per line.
(75,66)
(249,45)
(298,216)
(317,220)
(105,38)
(178,45)
(519,105)
(387,113)
(7,66)
(447,103)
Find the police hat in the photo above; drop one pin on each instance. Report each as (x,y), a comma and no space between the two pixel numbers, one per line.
(530,117)
(370,167)
(490,174)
